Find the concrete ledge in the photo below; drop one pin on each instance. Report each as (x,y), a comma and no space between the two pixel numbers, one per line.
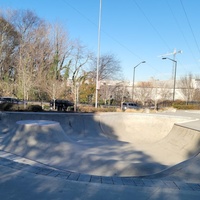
(71,176)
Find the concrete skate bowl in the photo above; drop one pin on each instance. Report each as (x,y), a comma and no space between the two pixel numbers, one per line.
(111,144)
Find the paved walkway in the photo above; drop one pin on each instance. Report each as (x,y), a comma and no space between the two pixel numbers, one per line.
(14,168)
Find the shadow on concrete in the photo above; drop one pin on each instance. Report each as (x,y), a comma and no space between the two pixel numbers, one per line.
(86,151)
(80,147)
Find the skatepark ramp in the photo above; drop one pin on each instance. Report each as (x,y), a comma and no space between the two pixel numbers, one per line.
(109,144)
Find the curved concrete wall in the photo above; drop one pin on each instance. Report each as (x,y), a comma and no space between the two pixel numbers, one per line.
(102,144)
(136,128)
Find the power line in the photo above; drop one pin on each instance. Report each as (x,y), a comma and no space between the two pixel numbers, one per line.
(190,26)
(111,37)
(80,13)
(154,28)
(180,29)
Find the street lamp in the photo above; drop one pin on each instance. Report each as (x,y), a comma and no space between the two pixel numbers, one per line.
(98,56)
(134,76)
(164,58)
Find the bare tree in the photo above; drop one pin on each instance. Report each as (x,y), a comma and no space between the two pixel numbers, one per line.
(41,52)
(81,57)
(116,93)
(164,92)
(143,91)
(62,57)
(26,23)
(39,60)
(56,77)
(197,94)
(187,87)
(160,91)
(109,68)
(9,41)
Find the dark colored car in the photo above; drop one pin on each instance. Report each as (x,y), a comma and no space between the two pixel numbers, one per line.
(61,105)
(11,100)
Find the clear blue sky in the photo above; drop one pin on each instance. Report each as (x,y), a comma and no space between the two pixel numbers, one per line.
(132,30)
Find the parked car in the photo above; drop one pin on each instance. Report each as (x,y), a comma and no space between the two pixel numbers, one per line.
(11,100)
(60,105)
(2,100)
(129,105)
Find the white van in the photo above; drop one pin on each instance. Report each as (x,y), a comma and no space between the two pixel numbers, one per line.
(129,105)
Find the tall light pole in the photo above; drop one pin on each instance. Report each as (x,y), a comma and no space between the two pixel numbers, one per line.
(134,77)
(174,58)
(98,57)
(174,75)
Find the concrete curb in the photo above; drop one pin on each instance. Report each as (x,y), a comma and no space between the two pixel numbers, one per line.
(19,163)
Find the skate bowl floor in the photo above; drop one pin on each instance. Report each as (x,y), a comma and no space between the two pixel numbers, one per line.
(106,144)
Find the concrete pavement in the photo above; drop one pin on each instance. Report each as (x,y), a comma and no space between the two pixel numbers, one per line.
(26,178)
